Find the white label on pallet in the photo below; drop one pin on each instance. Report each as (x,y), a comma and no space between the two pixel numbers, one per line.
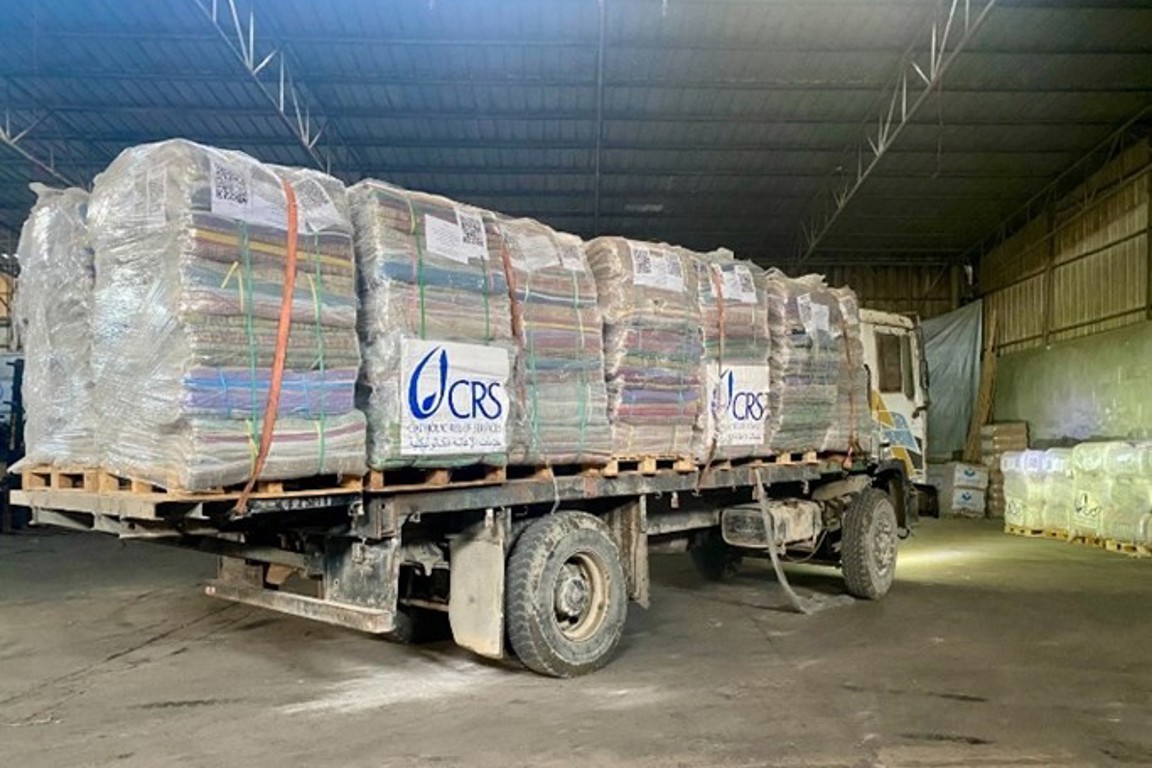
(739,285)
(317,212)
(738,395)
(454,398)
(656,268)
(236,195)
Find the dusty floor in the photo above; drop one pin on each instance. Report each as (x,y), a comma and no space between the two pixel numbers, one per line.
(990,651)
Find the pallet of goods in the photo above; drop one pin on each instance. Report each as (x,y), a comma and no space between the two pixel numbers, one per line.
(959,488)
(995,440)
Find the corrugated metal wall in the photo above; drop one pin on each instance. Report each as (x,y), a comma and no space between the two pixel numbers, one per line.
(1081,268)
(926,291)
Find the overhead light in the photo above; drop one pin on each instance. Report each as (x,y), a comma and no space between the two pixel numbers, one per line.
(644,207)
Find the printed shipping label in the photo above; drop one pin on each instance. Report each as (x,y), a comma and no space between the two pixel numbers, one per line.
(460,241)
(739,285)
(739,404)
(656,268)
(453,398)
(155,195)
(531,253)
(317,212)
(236,196)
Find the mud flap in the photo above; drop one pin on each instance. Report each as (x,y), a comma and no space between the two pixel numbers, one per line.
(476,599)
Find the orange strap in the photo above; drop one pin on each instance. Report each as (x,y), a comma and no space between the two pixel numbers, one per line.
(284,326)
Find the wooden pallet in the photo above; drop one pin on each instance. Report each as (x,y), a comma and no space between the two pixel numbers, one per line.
(647,465)
(1016,530)
(103,482)
(1085,540)
(1126,548)
(419,479)
(1056,535)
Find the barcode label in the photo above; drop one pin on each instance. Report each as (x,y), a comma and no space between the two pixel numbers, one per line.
(738,285)
(656,268)
(317,211)
(473,238)
(230,191)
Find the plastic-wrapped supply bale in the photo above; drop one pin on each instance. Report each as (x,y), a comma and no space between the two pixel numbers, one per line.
(1126,517)
(737,346)
(807,349)
(1023,489)
(652,345)
(53,310)
(559,400)
(191,249)
(1090,474)
(435,330)
(1059,491)
(852,426)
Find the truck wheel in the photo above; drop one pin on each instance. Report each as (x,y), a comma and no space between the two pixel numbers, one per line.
(566,599)
(713,558)
(868,545)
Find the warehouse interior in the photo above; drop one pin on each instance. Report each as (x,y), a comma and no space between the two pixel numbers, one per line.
(981,166)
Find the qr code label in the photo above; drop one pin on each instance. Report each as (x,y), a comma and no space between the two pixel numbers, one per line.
(656,268)
(317,211)
(739,287)
(231,195)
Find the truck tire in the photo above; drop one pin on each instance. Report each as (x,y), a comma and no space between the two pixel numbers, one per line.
(868,544)
(713,558)
(566,598)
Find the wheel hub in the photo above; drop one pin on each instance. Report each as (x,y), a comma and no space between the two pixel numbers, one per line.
(572,592)
(884,545)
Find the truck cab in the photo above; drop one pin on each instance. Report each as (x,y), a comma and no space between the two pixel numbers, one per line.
(898,373)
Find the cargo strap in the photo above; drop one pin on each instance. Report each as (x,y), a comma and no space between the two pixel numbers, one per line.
(283,328)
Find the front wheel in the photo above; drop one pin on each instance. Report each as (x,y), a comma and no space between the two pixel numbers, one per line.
(566,600)
(868,544)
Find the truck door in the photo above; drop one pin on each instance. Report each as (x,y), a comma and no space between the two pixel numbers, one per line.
(895,363)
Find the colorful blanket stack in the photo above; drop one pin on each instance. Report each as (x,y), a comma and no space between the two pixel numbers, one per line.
(190,251)
(559,401)
(652,345)
(737,346)
(851,426)
(804,318)
(53,311)
(435,330)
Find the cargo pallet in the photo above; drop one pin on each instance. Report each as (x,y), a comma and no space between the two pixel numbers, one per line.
(1016,530)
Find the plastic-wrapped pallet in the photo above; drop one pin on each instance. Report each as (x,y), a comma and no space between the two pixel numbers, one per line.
(1090,474)
(959,488)
(652,345)
(53,310)
(807,349)
(852,422)
(1126,517)
(435,330)
(737,346)
(559,400)
(191,250)
(1059,491)
(1023,489)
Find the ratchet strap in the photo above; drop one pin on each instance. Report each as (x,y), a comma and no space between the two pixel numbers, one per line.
(283,327)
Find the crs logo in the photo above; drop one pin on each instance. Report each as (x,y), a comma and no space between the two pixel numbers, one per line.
(739,405)
(464,398)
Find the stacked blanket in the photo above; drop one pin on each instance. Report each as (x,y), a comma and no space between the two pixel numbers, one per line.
(804,318)
(190,249)
(734,321)
(652,344)
(559,402)
(851,426)
(435,330)
(53,311)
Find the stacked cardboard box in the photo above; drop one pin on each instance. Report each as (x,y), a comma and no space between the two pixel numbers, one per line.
(960,488)
(995,441)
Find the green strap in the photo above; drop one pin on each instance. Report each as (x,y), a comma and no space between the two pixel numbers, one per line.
(317,298)
(533,374)
(247,298)
(414,231)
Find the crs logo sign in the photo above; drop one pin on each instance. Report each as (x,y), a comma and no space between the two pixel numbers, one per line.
(453,398)
(737,403)
(464,398)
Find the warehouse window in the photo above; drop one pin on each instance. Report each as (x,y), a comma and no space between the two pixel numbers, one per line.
(895,363)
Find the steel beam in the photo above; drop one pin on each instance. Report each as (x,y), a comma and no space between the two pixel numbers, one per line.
(286,95)
(602,16)
(12,137)
(915,82)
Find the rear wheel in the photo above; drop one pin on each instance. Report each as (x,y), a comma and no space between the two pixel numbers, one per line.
(868,546)
(566,600)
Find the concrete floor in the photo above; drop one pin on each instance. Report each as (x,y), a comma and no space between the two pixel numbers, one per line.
(990,651)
